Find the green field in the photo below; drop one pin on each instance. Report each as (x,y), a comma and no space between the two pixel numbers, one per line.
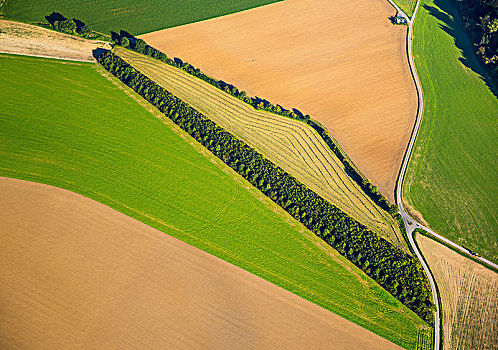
(451,178)
(408,6)
(291,144)
(64,124)
(134,16)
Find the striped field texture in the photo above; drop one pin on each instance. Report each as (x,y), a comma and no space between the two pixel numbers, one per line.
(291,144)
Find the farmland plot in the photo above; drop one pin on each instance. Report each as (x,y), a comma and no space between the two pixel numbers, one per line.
(136,16)
(65,125)
(341,62)
(451,178)
(26,39)
(469,297)
(291,144)
(407,6)
(149,288)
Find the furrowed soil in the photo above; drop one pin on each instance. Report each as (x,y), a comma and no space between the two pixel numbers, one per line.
(26,39)
(77,274)
(289,143)
(468,294)
(342,62)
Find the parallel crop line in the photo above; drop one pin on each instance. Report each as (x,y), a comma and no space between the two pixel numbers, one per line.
(289,143)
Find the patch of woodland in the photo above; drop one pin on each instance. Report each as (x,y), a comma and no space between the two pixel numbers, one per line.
(480,18)
(396,271)
(73,26)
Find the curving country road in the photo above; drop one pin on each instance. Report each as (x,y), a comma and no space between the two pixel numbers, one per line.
(410,223)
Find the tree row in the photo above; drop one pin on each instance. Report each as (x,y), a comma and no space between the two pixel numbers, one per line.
(396,271)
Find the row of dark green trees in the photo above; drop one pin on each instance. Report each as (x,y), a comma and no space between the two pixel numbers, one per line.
(142,47)
(72,26)
(396,271)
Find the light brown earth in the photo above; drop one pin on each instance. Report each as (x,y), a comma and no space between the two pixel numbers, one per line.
(75,274)
(26,39)
(342,62)
(469,297)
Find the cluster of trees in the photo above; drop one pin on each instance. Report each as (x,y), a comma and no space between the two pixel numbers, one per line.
(481,20)
(67,25)
(396,271)
(372,191)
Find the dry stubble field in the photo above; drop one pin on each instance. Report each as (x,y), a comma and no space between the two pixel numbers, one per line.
(342,62)
(26,39)
(469,297)
(75,274)
(293,145)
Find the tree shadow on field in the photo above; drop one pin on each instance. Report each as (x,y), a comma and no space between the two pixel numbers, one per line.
(97,52)
(53,17)
(447,13)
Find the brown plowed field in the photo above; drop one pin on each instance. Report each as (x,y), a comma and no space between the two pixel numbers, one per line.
(469,297)
(75,274)
(342,62)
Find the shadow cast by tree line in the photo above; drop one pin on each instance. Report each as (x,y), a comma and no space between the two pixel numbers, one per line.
(447,13)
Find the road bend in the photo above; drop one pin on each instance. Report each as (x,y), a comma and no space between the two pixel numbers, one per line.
(410,223)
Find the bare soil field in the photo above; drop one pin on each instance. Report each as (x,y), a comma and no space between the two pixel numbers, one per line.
(291,144)
(468,293)
(342,62)
(26,39)
(77,274)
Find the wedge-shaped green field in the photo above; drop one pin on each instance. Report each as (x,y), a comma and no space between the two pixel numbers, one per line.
(135,16)
(408,6)
(451,178)
(64,124)
(291,144)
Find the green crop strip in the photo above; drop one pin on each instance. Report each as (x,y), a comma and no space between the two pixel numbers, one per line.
(135,16)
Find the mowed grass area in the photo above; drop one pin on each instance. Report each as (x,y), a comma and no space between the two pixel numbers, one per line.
(408,6)
(289,143)
(468,296)
(451,178)
(135,16)
(65,125)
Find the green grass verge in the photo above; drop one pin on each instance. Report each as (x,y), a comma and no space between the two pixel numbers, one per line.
(65,125)
(135,16)
(408,6)
(451,176)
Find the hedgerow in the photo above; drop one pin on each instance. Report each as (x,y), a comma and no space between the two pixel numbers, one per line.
(396,271)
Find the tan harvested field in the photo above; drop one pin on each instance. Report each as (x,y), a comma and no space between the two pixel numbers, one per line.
(75,274)
(293,145)
(469,297)
(26,39)
(342,62)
